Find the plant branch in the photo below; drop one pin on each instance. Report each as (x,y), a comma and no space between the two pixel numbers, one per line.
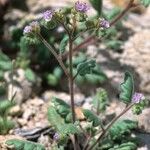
(92,39)
(55,54)
(109,126)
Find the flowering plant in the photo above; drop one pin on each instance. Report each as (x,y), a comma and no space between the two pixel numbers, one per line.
(64,118)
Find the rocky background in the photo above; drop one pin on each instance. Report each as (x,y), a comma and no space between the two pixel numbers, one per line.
(134,57)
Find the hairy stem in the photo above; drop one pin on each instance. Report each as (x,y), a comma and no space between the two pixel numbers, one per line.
(71,82)
(55,54)
(109,126)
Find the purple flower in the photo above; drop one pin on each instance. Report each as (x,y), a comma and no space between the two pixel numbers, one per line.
(104,23)
(47,15)
(27,30)
(137,97)
(81,7)
(56,136)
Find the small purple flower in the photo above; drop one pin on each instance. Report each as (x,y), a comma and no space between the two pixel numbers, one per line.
(27,30)
(56,136)
(81,7)
(47,15)
(104,23)
(137,97)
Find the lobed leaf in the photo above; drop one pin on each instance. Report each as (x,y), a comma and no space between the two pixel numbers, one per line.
(24,145)
(127,88)
(91,117)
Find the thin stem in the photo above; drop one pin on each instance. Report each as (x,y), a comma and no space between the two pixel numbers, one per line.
(54,53)
(121,15)
(109,126)
(71,82)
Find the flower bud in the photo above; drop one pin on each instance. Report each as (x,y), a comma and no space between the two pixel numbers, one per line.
(35,27)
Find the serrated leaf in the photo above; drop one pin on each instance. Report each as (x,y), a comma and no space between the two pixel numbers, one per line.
(62,107)
(30,75)
(91,117)
(86,67)
(121,128)
(63,44)
(127,88)
(100,101)
(24,145)
(97,5)
(146,3)
(125,146)
(67,129)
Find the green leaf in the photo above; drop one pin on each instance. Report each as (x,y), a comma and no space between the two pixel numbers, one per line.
(67,129)
(91,117)
(146,3)
(52,79)
(5,105)
(100,101)
(24,145)
(127,88)
(30,75)
(97,5)
(125,146)
(121,128)
(62,107)
(86,67)
(5,62)
(63,44)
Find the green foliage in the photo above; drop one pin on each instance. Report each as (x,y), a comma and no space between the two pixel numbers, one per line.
(54,77)
(125,146)
(100,101)
(5,62)
(114,44)
(138,107)
(91,117)
(5,124)
(62,108)
(63,43)
(57,114)
(23,145)
(30,75)
(122,128)
(127,88)
(146,3)
(97,5)
(86,67)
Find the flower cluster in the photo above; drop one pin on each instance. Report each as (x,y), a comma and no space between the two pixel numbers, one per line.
(47,15)
(137,97)
(34,27)
(81,7)
(104,23)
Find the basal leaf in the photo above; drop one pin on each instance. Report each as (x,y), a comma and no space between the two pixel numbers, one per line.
(127,88)
(24,145)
